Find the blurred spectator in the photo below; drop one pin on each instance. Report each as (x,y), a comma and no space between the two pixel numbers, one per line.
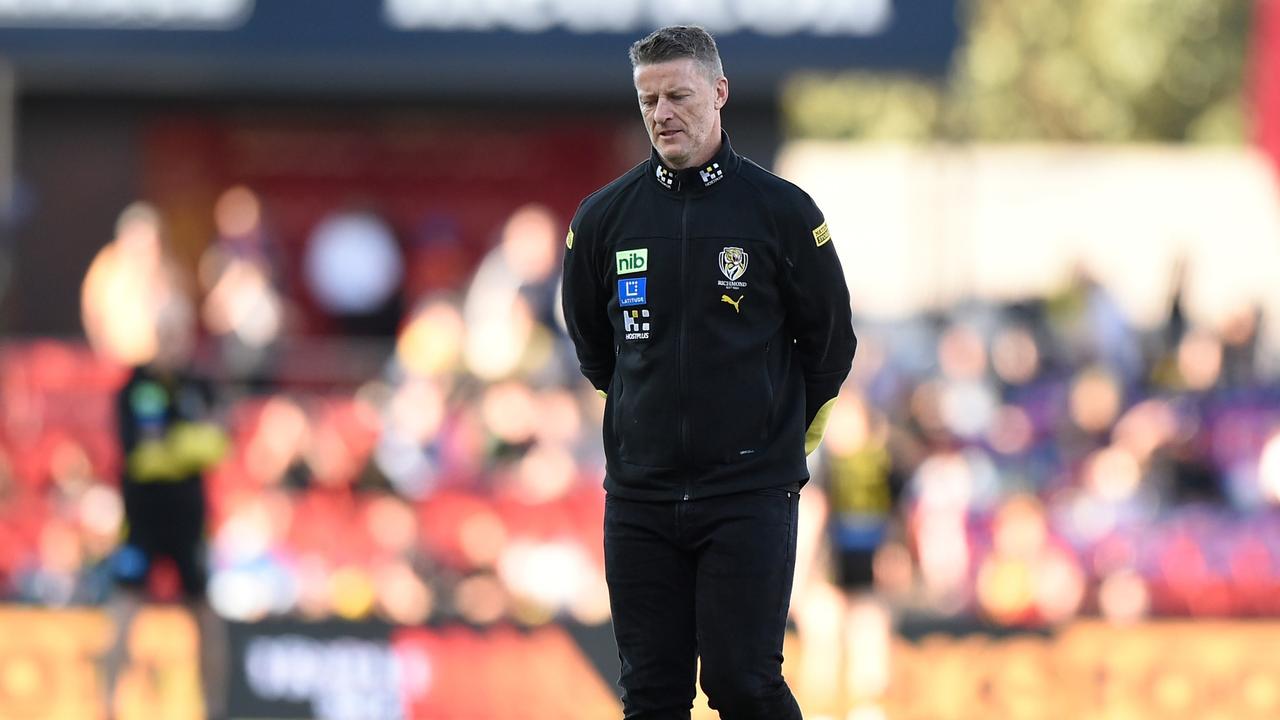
(128,282)
(437,259)
(243,308)
(510,305)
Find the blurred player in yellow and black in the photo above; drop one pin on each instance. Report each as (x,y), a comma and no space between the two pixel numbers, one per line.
(167,441)
(845,624)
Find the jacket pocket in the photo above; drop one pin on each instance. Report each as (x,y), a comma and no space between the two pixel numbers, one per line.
(616,390)
(730,411)
(645,420)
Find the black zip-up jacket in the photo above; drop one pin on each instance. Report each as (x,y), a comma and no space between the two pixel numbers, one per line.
(709,305)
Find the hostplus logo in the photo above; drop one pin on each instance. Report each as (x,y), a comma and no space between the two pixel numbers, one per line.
(711,174)
(665,176)
(634,326)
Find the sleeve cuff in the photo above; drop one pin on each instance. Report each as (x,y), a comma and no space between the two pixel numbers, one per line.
(820,390)
(817,427)
(599,379)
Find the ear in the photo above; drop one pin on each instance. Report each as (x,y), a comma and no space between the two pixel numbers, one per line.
(721,91)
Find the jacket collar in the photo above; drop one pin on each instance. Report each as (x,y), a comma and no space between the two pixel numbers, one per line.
(694,179)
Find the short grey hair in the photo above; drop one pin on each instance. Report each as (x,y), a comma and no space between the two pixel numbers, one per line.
(678,41)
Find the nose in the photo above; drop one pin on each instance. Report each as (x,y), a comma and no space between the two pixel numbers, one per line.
(663,110)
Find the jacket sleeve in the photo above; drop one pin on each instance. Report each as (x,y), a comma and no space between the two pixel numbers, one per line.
(586,300)
(818,314)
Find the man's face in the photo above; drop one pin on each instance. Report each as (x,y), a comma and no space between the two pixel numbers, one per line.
(681,108)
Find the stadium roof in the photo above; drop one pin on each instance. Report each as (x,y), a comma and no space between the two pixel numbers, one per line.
(513,48)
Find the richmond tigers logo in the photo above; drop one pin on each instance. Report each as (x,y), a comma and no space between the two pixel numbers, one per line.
(733,262)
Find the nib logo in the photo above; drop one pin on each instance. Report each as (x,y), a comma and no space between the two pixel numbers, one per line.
(632,261)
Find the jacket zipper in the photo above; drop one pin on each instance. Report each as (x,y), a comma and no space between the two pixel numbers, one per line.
(768,380)
(684,303)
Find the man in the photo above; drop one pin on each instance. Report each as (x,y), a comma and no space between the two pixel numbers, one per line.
(167,443)
(707,304)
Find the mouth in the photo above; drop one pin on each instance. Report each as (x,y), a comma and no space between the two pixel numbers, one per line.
(667,134)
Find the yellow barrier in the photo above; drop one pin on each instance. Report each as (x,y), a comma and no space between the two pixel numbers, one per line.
(1215,670)
(49,665)
(1173,670)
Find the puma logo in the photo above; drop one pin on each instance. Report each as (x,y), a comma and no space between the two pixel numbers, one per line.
(731,301)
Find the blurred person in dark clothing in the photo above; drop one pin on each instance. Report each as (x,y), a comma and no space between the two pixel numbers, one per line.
(706,301)
(167,441)
(1092,327)
(1240,340)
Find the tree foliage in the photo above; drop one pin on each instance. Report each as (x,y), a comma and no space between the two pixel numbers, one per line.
(1059,70)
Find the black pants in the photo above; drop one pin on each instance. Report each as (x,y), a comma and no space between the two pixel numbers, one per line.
(709,578)
(164,519)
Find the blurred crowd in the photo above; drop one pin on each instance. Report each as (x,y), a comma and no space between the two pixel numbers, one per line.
(1045,459)
(1021,463)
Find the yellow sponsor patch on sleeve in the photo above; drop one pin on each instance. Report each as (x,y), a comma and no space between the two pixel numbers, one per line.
(821,235)
(568,239)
